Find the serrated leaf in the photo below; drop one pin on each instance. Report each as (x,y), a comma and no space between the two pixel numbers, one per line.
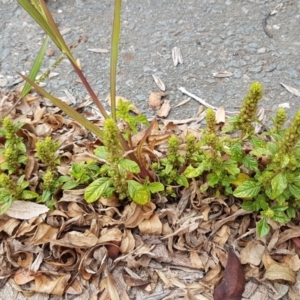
(257,142)
(247,189)
(250,163)
(212,179)
(101,152)
(231,167)
(295,191)
(260,152)
(279,184)
(191,172)
(129,165)
(97,189)
(138,192)
(263,227)
(155,187)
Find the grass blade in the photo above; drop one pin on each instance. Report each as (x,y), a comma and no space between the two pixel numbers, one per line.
(114,55)
(36,67)
(67,109)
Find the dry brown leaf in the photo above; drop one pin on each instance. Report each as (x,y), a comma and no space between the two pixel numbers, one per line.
(159,82)
(155,99)
(164,110)
(252,253)
(128,242)
(220,115)
(134,214)
(196,261)
(23,276)
(44,284)
(182,102)
(291,89)
(26,210)
(222,74)
(78,239)
(75,288)
(232,285)
(44,234)
(151,226)
(280,272)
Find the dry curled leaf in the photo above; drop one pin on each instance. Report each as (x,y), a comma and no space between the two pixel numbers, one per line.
(26,210)
(159,82)
(232,285)
(164,110)
(155,99)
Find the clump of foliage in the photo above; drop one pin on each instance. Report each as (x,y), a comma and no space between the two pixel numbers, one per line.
(118,173)
(12,183)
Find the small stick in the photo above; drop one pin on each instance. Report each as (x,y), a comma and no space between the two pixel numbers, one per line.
(201,101)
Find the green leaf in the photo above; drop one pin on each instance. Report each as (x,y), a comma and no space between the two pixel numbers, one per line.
(5,206)
(155,187)
(272,147)
(291,212)
(260,152)
(29,195)
(248,189)
(281,217)
(138,192)
(212,179)
(168,168)
(69,185)
(101,152)
(231,167)
(257,142)
(278,184)
(191,172)
(284,160)
(182,180)
(129,165)
(248,205)
(250,163)
(236,151)
(36,67)
(97,189)
(263,227)
(262,202)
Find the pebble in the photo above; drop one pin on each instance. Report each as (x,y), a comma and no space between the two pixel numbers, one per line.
(237,74)
(255,69)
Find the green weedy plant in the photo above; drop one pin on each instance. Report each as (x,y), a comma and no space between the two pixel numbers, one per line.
(168,168)
(118,172)
(210,162)
(12,183)
(14,150)
(11,190)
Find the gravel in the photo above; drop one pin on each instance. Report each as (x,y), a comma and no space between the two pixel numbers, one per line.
(213,35)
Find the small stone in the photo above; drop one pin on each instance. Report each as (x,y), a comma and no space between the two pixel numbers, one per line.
(255,69)
(50,52)
(140,97)
(271,68)
(237,74)
(261,50)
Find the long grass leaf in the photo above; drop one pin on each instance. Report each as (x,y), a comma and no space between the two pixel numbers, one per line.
(36,67)
(114,55)
(66,109)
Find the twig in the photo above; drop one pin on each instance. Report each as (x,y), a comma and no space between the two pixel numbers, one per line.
(201,101)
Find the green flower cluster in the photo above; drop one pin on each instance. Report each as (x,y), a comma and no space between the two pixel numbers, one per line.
(248,110)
